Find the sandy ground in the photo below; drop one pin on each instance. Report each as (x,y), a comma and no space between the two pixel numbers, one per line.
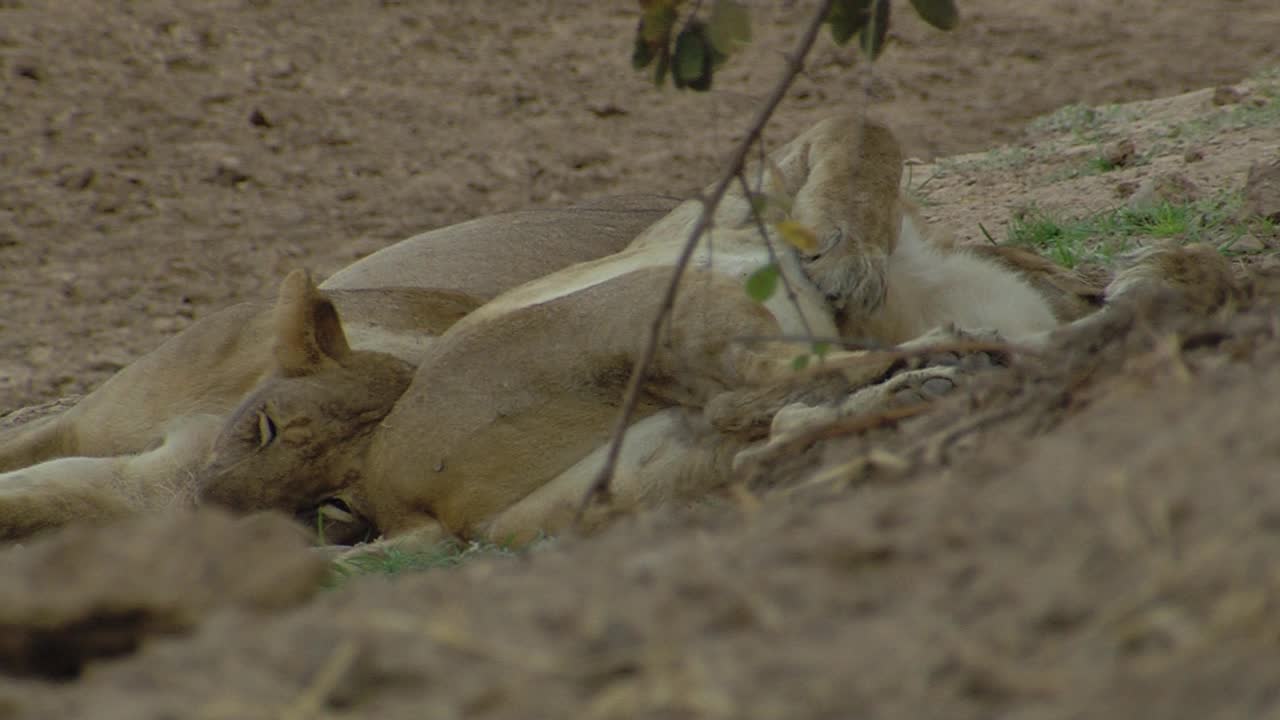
(160,160)
(1092,537)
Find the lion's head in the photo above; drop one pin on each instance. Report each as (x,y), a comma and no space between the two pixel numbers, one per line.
(295,444)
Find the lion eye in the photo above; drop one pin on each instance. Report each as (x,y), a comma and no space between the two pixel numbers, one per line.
(266,429)
(336,509)
(337,524)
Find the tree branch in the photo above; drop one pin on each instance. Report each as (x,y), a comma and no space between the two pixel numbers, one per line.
(795,64)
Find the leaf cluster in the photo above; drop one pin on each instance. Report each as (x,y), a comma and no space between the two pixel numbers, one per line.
(692,54)
(869,21)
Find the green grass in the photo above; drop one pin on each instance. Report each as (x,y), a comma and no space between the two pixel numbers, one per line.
(1083,121)
(397,561)
(1094,165)
(996,159)
(1239,117)
(1261,109)
(1100,237)
(1090,123)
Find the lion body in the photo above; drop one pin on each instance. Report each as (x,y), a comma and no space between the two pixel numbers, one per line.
(458,383)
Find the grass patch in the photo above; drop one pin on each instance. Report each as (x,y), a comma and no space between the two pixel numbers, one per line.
(1260,109)
(396,561)
(997,159)
(1082,121)
(1100,237)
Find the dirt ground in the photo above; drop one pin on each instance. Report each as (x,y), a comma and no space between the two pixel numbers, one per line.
(1091,537)
(164,159)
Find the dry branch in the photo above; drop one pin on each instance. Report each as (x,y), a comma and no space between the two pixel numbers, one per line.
(795,64)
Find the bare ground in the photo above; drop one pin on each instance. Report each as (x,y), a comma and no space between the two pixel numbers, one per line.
(1089,537)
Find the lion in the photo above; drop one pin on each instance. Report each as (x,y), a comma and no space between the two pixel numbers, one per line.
(506,422)
(129,445)
(496,426)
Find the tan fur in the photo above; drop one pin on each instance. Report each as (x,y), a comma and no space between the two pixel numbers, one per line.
(413,291)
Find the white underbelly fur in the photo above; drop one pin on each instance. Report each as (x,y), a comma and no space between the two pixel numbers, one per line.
(929,288)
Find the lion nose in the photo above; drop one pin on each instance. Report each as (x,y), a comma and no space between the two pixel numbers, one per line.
(215,491)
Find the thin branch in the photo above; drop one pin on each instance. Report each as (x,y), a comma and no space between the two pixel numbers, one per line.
(875,350)
(832,340)
(773,255)
(923,351)
(840,427)
(795,64)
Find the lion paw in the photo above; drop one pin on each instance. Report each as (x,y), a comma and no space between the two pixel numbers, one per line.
(853,278)
(952,347)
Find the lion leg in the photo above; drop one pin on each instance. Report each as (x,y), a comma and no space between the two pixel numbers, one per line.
(204,369)
(1194,279)
(58,492)
(1197,274)
(33,442)
(670,455)
(848,195)
(101,489)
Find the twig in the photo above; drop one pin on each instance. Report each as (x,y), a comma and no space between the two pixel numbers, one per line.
(313,698)
(933,449)
(832,340)
(897,354)
(773,256)
(795,64)
(876,346)
(842,427)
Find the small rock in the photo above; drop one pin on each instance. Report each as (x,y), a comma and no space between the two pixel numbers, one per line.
(30,72)
(282,68)
(229,172)
(1226,95)
(258,119)
(1193,154)
(1262,190)
(1172,188)
(1126,188)
(1119,153)
(605,110)
(1248,243)
(77,179)
(167,325)
(40,355)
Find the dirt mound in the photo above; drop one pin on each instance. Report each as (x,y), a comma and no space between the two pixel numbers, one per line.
(88,593)
(1087,537)
(1103,550)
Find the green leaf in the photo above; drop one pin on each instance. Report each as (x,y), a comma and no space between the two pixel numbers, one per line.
(941,14)
(873,34)
(799,362)
(847,18)
(762,283)
(729,27)
(660,69)
(820,349)
(657,22)
(641,53)
(691,66)
(798,236)
(654,35)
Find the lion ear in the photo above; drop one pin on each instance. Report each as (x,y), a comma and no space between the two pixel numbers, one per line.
(308,331)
